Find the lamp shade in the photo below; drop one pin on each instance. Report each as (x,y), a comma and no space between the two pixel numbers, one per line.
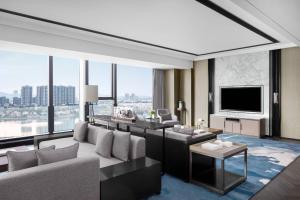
(90,93)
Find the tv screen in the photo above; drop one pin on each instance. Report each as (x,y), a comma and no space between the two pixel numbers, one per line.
(247,99)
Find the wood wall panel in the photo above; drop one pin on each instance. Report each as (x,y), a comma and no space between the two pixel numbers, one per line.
(290,93)
(201,90)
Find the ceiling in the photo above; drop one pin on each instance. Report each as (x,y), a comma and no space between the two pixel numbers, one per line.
(184,25)
(195,28)
(285,13)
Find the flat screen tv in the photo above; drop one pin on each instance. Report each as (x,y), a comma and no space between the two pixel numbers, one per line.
(242,99)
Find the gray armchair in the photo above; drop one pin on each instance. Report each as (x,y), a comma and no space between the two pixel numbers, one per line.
(166,117)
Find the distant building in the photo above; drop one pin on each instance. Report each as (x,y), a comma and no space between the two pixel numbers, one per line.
(33,100)
(127,96)
(16,101)
(63,95)
(70,95)
(26,95)
(4,101)
(41,96)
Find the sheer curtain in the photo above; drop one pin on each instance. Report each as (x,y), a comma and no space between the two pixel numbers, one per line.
(158,88)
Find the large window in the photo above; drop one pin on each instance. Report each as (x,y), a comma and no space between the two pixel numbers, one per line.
(101,74)
(135,88)
(65,93)
(24,92)
(23,108)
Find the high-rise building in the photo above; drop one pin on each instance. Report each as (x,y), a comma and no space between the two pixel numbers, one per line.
(26,95)
(3,101)
(63,95)
(16,101)
(70,95)
(42,95)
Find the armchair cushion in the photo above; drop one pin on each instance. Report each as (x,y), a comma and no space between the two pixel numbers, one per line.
(165,117)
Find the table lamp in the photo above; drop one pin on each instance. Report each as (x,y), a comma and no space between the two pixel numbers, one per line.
(90,95)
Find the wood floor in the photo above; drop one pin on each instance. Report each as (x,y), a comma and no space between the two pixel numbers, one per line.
(286,186)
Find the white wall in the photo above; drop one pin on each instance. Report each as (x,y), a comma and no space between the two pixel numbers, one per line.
(245,69)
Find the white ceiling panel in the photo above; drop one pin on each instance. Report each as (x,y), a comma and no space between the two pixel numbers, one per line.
(283,12)
(184,25)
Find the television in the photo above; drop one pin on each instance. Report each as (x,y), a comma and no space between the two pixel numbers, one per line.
(241,99)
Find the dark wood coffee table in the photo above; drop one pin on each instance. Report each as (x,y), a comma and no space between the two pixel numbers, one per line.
(215,178)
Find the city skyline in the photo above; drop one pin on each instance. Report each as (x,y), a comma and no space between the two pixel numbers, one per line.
(62,95)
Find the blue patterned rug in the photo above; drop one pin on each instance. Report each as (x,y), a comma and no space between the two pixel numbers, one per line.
(266,158)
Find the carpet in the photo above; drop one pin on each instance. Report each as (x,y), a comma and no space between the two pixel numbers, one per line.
(266,158)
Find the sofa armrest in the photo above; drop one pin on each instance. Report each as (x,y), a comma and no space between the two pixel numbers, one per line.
(41,138)
(74,179)
(137,147)
(160,118)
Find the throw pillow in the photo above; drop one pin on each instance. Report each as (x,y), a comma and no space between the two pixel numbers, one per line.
(104,144)
(55,155)
(24,159)
(166,117)
(121,145)
(93,132)
(80,130)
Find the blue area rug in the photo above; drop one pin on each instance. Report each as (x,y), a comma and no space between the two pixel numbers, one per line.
(266,158)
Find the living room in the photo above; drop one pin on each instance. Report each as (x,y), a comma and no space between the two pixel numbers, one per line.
(193,99)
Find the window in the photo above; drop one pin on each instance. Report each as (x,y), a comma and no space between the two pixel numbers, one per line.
(134,86)
(23,108)
(65,93)
(101,74)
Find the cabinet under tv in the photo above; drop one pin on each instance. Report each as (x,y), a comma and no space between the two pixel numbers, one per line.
(253,126)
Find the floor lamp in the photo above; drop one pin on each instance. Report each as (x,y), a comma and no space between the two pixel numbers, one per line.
(91,96)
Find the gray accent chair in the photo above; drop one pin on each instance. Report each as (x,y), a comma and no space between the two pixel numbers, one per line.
(166,117)
(74,179)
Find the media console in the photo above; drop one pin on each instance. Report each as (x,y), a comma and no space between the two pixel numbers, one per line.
(253,126)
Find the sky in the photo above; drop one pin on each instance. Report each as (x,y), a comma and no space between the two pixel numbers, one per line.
(19,69)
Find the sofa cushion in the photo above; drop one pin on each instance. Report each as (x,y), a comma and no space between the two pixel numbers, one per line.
(171,122)
(85,150)
(121,145)
(93,132)
(24,159)
(165,117)
(137,147)
(104,144)
(80,131)
(55,155)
